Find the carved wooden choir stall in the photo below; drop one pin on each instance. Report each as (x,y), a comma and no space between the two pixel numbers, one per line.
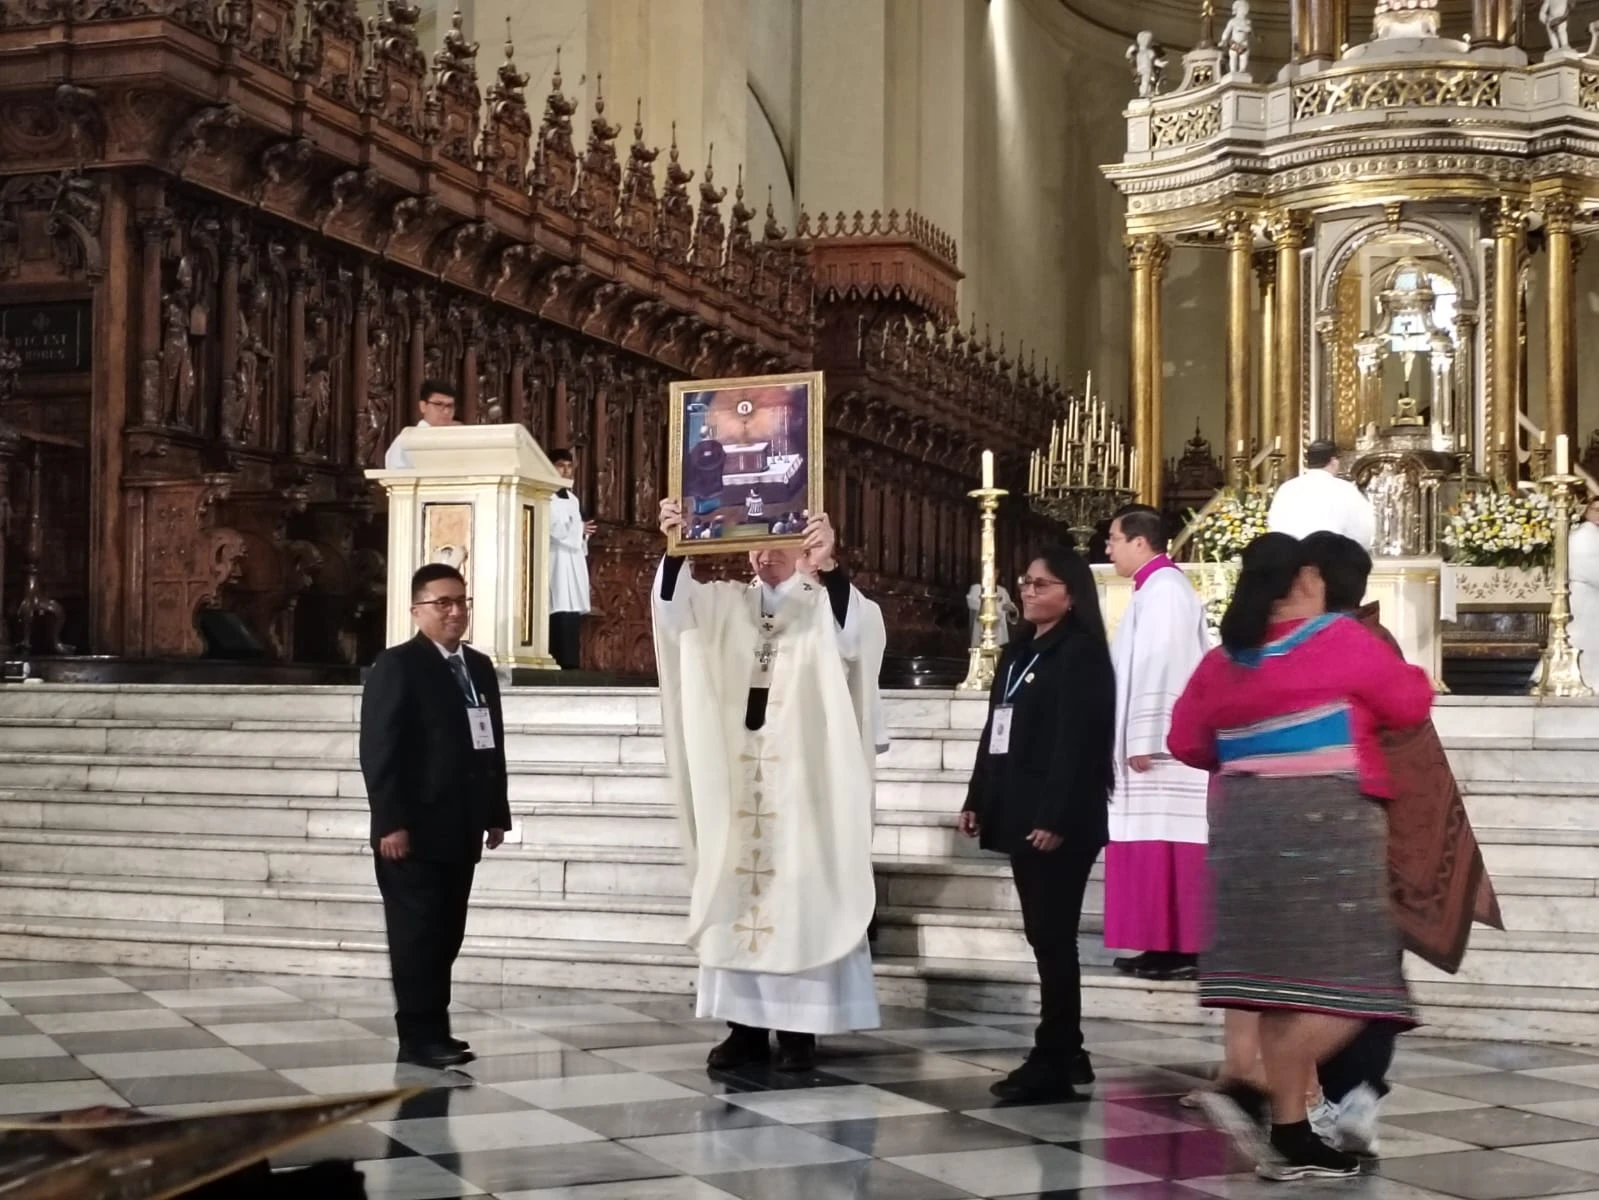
(235,237)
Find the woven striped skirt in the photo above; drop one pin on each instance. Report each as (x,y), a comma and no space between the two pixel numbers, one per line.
(1301,918)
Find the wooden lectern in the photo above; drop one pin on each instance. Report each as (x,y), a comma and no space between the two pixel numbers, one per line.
(476,497)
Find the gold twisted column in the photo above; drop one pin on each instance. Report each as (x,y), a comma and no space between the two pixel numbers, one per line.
(1288,236)
(1240,231)
(1560,380)
(1146,257)
(1266,279)
(1505,383)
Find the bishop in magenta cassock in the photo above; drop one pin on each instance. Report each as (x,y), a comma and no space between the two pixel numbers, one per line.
(1155,893)
(770,712)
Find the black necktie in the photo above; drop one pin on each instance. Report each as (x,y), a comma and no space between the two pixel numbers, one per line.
(458,668)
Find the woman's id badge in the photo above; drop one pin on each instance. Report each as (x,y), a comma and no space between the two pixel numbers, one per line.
(482,728)
(999,730)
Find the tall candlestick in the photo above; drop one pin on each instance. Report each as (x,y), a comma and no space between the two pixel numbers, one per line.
(988,470)
(1562,455)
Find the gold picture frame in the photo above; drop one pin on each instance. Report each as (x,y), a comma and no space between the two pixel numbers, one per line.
(745,461)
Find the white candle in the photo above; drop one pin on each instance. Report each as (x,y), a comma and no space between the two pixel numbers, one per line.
(1562,455)
(1277,444)
(1240,449)
(988,470)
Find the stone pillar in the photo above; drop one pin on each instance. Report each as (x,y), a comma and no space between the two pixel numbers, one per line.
(1493,22)
(1560,389)
(1266,277)
(1504,385)
(841,141)
(1288,235)
(1146,258)
(1240,232)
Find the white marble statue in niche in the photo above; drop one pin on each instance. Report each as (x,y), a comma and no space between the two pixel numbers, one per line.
(1235,37)
(1149,63)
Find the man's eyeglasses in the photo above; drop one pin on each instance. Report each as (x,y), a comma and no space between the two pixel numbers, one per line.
(1027,583)
(446,603)
(449,404)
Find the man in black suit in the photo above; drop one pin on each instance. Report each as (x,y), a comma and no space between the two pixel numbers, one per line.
(433,755)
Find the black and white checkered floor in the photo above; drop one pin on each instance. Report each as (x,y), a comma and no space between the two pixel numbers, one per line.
(604,1096)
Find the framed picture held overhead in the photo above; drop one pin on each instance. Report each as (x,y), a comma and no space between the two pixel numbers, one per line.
(745,460)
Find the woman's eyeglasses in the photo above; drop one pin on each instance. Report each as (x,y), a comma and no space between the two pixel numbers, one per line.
(1029,583)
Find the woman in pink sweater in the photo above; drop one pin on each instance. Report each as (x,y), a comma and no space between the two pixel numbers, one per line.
(1288,711)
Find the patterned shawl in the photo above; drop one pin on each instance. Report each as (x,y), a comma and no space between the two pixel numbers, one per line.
(1436,874)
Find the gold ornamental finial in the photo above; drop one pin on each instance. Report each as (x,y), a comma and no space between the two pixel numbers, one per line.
(1207,25)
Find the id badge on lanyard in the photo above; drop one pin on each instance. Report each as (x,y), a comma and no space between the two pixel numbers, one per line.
(999,725)
(482,728)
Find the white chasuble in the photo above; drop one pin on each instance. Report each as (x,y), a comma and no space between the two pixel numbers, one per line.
(777,822)
(1158,643)
(1584,628)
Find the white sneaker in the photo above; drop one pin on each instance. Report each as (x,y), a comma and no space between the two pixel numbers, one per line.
(1355,1122)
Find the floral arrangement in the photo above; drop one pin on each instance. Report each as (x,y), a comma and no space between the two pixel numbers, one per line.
(1500,529)
(1230,523)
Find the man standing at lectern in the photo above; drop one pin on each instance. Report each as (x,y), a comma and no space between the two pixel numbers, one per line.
(437,407)
(433,757)
(769,709)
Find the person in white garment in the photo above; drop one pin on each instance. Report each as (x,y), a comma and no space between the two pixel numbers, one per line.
(1155,889)
(769,710)
(1584,626)
(569,566)
(1009,614)
(1319,500)
(436,406)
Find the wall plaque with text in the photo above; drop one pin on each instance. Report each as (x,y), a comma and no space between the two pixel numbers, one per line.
(51,338)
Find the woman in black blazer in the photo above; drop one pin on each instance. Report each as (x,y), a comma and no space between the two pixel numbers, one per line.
(1039,793)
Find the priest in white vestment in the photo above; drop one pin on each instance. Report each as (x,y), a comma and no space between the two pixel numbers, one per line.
(1155,888)
(1319,500)
(569,566)
(1584,627)
(771,718)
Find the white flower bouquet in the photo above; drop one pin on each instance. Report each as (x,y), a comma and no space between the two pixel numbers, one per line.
(1500,529)
(1232,522)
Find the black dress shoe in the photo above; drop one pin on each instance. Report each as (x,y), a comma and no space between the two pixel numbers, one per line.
(1081,1072)
(457,1043)
(796,1051)
(1039,1080)
(438,1055)
(1132,964)
(1168,965)
(744,1047)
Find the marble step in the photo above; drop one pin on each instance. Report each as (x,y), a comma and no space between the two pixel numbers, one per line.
(1450,1008)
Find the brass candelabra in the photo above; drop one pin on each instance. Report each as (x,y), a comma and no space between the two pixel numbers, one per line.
(1086,473)
(1558,670)
(984,657)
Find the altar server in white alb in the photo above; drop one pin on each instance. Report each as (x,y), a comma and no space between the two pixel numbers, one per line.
(1155,889)
(769,708)
(1319,500)
(1585,593)
(569,566)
